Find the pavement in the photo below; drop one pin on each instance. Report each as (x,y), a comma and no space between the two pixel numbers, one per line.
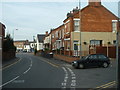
(37,72)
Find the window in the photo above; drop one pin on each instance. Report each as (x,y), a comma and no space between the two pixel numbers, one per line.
(114,26)
(95,42)
(56,33)
(101,57)
(75,45)
(62,32)
(68,45)
(52,35)
(93,57)
(76,25)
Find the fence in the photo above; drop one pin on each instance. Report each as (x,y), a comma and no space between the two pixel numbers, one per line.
(73,53)
(109,51)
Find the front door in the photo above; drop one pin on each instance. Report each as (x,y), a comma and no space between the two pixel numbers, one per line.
(75,48)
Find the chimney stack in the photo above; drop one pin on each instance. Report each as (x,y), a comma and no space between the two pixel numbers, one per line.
(95,2)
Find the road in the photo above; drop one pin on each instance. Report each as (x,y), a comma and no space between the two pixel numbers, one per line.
(38,72)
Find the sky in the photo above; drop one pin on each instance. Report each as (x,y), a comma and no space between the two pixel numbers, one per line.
(36,17)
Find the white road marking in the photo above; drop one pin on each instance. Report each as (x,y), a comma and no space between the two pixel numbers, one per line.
(9,81)
(29,67)
(65,78)
(73,81)
(11,64)
(18,81)
(27,70)
(17,76)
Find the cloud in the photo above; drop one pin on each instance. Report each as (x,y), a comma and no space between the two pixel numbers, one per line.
(37,17)
(55,0)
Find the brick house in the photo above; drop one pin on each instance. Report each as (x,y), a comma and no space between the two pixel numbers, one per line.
(27,47)
(83,30)
(19,45)
(47,41)
(2,35)
(40,41)
(93,25)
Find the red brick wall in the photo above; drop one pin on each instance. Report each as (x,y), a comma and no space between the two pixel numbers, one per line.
(103,50)
(96,19)
(9,55)
(2,29)
(65,58)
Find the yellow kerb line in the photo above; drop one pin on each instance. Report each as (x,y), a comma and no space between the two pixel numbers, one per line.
(10,65)
(50,63)
(110,83)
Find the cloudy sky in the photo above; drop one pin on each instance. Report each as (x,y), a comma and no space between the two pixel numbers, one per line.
(32,18)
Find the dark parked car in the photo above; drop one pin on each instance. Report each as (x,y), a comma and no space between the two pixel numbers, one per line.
(93,60)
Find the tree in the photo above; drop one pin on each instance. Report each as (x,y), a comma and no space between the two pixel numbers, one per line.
(8,44)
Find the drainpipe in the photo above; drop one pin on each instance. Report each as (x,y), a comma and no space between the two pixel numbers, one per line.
(117,60)
(80,30)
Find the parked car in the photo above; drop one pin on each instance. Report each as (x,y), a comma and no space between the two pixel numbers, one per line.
(93,60)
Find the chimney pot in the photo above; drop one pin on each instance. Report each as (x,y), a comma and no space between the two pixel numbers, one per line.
(94,2)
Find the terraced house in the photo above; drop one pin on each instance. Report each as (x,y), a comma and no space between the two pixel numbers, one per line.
(86,31)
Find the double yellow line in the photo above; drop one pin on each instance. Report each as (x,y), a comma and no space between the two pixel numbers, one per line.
(54,65)
(108,85)
(7,66)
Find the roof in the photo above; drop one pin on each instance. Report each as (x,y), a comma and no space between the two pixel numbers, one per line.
(2,25)
(26,43)
(100,8)
(40,37)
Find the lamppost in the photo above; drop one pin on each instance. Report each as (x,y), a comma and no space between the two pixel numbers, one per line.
(80,28)
(13,34)
(117,48)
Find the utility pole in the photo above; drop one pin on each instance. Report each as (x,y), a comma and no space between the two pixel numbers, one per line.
(117,59)
(80,28)
(13,34)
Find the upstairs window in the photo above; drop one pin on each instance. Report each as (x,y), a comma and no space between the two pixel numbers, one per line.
(63,33)
(76,25)
(56,33)
(114,25)
(52,35)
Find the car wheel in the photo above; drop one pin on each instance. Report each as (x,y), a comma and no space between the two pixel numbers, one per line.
(81,66)
(105,65)
(76,65)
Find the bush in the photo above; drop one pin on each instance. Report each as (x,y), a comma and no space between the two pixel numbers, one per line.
(8,44)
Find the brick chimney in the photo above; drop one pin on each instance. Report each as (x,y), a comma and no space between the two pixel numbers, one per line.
(95,2)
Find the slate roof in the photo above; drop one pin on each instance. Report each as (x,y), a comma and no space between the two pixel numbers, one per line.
(40,37)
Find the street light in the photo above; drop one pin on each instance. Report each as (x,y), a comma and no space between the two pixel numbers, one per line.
(13,34)
(80,28)
(117,48)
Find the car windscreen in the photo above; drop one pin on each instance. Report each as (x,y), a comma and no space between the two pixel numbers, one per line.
(85,57)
